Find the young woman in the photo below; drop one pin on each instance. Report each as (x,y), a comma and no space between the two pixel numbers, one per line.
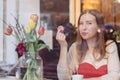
(90,55)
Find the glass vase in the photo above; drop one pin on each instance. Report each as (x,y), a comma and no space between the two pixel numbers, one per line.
(31,68)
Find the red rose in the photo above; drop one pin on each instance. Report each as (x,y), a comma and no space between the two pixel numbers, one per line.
(20,49)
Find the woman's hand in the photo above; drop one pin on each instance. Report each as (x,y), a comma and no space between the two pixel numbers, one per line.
(60,36)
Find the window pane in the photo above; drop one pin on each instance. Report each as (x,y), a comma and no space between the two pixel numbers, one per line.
(54,12)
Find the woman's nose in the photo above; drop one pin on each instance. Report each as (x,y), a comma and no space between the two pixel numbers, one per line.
(84,27)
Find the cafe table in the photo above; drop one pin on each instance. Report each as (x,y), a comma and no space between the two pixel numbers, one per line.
(14,78)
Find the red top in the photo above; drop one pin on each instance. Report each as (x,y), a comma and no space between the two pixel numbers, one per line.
(88,70)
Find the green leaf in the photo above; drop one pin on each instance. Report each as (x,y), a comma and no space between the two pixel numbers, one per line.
(42,46)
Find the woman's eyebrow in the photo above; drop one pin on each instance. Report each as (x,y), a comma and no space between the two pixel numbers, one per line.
(88,21)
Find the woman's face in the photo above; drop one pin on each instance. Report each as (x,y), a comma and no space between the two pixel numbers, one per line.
(88,26)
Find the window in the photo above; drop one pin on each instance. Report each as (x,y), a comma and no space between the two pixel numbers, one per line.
(1,30)
(54,12)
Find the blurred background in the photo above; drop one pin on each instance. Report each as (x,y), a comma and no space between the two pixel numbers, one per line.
(51,14)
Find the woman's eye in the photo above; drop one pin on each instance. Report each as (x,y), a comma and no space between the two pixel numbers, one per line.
(81,23)
(89,23)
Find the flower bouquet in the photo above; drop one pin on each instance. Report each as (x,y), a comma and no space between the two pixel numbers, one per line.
(28,42)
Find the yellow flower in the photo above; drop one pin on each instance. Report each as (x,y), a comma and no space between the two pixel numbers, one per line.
(32,24)
(27,30)
(34,17)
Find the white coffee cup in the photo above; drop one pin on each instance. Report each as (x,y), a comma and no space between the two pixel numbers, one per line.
(77,77)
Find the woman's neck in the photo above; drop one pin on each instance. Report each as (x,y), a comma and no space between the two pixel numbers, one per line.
(91,43)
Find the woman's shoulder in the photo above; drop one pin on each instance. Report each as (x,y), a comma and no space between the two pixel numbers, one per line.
(109,42)
(73,47)
(74,44)
(111,46)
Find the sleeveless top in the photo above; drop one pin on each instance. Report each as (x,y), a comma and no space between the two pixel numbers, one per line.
(88,70)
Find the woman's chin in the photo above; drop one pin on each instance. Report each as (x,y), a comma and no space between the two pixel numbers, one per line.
(85,37)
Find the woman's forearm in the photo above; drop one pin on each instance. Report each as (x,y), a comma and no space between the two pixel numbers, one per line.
(62,67)
(63,57)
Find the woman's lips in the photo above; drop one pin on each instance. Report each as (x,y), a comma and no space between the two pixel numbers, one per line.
(84,33)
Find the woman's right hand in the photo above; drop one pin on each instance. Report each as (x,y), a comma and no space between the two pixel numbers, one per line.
(60,36)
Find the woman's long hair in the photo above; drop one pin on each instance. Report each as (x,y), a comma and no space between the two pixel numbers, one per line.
(82,46)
